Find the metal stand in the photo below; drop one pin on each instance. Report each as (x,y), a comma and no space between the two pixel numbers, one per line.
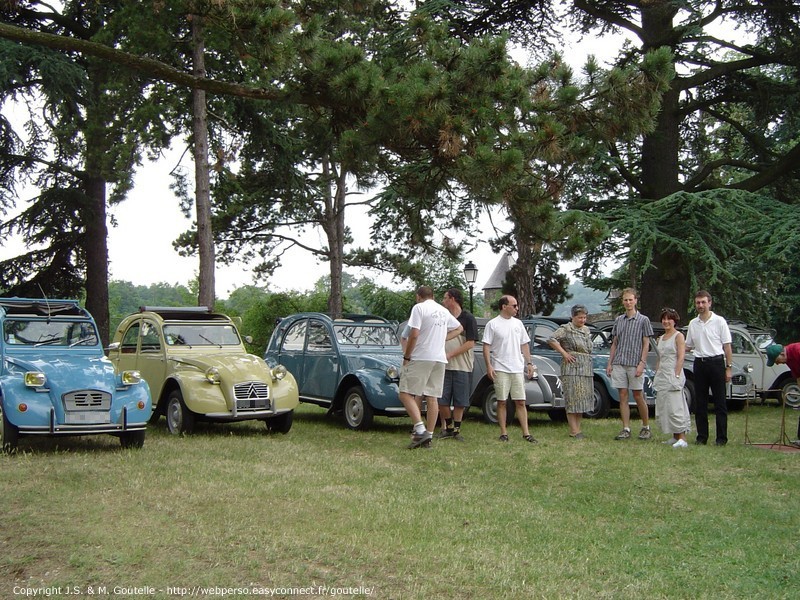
(783,442)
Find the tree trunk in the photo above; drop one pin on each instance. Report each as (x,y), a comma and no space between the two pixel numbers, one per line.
(334,230)
(205,235)
(524,276)
(96,249)
(666,282)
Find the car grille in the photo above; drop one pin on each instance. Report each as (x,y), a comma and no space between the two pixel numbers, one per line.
(739,380)
(87,400)
(252,395)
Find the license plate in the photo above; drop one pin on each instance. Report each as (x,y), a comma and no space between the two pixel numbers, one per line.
(81,418)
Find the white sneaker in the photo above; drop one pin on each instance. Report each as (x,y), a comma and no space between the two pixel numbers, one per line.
(680,444)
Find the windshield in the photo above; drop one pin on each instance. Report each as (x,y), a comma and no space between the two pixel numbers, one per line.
(365,335)
(49,332)
(201,335)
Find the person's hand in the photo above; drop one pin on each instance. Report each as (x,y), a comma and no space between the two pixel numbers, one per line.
(490,372)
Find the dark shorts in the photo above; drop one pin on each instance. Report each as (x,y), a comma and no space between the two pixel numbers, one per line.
(456,389)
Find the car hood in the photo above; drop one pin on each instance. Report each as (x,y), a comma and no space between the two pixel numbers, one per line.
(72,372)
(371,360)
(232,363)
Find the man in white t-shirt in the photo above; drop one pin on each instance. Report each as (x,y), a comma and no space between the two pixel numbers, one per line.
(507,353)
(424,361)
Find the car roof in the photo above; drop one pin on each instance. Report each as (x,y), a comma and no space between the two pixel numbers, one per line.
(184,313)
(348,318)
(42,307)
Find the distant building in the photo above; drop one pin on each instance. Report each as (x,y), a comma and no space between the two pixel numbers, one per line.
(494,285)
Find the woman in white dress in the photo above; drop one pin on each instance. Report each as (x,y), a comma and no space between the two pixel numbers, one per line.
(672,412)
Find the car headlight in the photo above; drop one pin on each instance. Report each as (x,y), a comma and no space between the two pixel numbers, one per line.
(212,375)
(131,377)
(392,372)
(279,372)
(35,379)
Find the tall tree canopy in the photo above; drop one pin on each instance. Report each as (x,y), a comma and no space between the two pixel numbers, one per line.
(729,122)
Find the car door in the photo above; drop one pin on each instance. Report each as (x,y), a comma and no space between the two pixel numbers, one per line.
(151,360)
(320,363)
(291,350)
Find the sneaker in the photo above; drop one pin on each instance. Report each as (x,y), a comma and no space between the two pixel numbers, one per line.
(446,433)
(795,443)
(680,444)
(457,436)
(578,436)
(625,434)
(503,438)
(530,438)
(645,433)
(419,439)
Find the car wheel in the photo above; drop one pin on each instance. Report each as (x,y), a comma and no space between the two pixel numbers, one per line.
(281,423)
(688,394)
(179,418)
(790,393)
(489,407)
(10,435)
(132,439)
(358,413)
(602,402)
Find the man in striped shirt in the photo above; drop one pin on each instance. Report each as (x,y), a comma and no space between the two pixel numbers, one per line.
(627,360)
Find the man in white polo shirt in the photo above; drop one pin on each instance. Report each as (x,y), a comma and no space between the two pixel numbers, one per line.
(709,339)
(431,325)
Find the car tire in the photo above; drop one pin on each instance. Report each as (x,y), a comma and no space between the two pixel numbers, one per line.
(10,435)
(559,415)
(132,439)
(358,413)
(688,394)
(281,423)
(179,418)
(790,393)
(489,407)
(602,402)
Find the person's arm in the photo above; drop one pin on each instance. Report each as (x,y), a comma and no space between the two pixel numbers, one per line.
(728,361)
(452,333)
(487,359)
(465,347)
(611,353)
(526,352)
(643,359)
(412,341)
(680,351)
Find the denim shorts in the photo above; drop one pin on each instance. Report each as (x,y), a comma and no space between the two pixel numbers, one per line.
(456,389)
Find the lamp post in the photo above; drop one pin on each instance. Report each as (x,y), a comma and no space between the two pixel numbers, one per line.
(470,276)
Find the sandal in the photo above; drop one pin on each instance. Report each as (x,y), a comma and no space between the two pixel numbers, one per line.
(503,438)
(529,438)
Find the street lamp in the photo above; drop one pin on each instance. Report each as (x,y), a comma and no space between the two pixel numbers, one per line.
(470,276)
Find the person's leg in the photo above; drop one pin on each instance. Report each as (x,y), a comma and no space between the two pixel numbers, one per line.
(701,385)
(501,416)
(522,416)
(574,423)
(641,405)
(719,393)
(433,413)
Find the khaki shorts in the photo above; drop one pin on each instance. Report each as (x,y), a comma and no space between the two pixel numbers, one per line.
(422,378)
(505,383)
(623,377)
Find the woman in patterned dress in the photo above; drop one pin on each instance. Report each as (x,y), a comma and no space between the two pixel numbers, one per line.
(573,341)
(672,412)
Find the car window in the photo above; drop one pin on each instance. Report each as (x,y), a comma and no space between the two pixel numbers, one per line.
(541,335)
(49,332)
(130,339)
(740,344)
(151,342)
(365,335)
(201,334)
(319,340)
(295,337)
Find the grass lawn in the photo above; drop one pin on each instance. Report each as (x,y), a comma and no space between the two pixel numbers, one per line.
(357,513)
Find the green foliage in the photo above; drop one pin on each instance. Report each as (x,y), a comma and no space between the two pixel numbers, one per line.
(125,298)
